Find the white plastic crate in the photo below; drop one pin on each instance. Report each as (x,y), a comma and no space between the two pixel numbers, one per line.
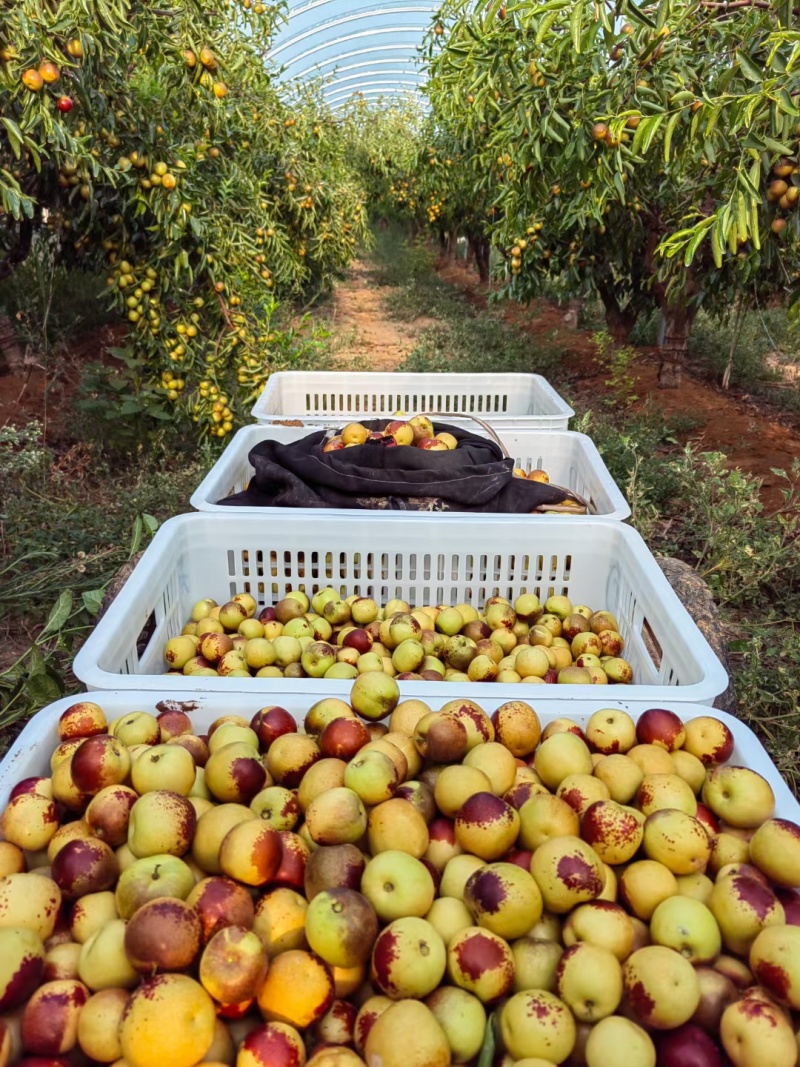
(571,460)
(522,401)
(594,561)
(29,755)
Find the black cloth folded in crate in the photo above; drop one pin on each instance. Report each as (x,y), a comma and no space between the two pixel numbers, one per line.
(474,477)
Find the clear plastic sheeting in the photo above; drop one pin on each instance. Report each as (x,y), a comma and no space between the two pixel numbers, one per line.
(366,49)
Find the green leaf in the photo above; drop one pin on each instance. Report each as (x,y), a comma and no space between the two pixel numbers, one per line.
(694,244)
(786,104)
(150,521)
(59,613)
(634,13)
(740,646)
(751,70)
(92,600)
(34,661)
(673,122)
(43,689)
(136,536)
(731,233)
(646,131)
(575,24)
(742,179)
(486,1055)
(716,247)
(778,146)
(755,225)
(544,26)
(14,136)
(741,216)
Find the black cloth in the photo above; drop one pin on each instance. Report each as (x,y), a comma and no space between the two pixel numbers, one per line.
(473,477)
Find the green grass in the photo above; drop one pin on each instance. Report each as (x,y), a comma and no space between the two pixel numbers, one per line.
(70,520)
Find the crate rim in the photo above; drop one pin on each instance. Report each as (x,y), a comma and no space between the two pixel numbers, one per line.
(123,700)
(408,379)
(87,670)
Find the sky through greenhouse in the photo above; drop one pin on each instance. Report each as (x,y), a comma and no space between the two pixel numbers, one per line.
(368,48)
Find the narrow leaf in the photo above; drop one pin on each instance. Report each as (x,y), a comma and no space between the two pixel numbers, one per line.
(752,71)
(777,146)
(673,122)
(741,216)
(755,225)
(716,247)
(59,613)
(43,689)
(92,600)
(786,104)
(136,537)
(486,1056)
(575,23)
(544,26)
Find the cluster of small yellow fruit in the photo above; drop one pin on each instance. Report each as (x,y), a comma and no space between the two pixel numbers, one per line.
(208,67)
(435,206)
(171,385)
(418,431)
(330,637)
(781,191)
(364,892)
(211,406)
(143,301)
(407,192)
(521,243)
(159,177)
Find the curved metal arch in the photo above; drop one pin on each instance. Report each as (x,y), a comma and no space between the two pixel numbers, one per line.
(411,67)
(368,73)
(314,4)
(409,9)
(355,37)
(315,69)
(350,91)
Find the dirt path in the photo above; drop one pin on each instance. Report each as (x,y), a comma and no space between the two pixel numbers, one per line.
(367,338)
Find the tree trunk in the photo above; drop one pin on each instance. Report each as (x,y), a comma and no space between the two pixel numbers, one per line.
(482,259)
(677,327)
(451,244)
(737,329)
(619,320)
(573,313)
(11,357)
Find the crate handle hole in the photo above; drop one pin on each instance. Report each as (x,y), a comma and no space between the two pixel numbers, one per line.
(651,643)
(145,634)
